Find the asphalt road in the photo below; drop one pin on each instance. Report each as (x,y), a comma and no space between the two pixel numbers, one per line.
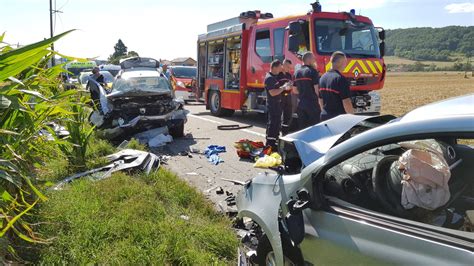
(201,131)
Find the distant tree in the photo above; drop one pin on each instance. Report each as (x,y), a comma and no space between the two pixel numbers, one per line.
(437,44)
(120,51)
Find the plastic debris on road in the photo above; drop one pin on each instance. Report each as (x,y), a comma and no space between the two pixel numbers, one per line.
(268,161)
(160,140)
(127,159)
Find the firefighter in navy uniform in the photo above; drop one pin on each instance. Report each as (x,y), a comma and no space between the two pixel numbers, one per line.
(274,93)
(334,89)
(306,81)
(286,97)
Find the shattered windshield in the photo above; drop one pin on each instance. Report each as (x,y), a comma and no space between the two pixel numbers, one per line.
(184,72)
(147,84)
(355,40)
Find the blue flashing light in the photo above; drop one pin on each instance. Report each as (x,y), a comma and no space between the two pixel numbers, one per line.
(353,12)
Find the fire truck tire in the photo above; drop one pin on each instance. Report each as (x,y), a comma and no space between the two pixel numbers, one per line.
(215,105)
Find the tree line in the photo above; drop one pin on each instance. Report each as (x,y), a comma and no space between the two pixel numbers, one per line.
(434,44)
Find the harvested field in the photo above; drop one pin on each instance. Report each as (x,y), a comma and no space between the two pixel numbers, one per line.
(405,91)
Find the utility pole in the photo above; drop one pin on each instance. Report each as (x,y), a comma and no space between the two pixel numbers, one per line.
(51,29)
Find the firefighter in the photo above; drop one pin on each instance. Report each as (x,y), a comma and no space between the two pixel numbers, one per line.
(286,97)
(334,89)
(97,76)
(274,92)
(306,81)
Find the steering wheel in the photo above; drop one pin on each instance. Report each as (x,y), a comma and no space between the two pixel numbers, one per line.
(358,48)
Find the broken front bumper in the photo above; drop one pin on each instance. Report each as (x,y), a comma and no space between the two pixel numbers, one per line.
(172,119)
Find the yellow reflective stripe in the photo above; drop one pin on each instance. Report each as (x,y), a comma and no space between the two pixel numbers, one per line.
(231,91)
(349,66)
(361,64)
(328,66)
(371,66)
(379,66)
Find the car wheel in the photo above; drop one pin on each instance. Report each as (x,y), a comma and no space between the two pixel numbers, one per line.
(215,105)
(177,131)
(266,256)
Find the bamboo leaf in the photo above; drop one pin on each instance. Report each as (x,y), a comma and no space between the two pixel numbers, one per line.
(12,221)
(37,45)
(8,132)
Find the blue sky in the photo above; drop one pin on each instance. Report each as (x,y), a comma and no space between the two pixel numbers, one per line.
(169,29)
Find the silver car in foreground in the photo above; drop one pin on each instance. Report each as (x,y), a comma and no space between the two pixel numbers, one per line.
(340,198)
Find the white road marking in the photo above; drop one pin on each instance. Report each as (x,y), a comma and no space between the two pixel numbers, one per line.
(220,123)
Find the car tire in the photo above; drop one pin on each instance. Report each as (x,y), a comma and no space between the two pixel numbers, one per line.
(215,105)
(177,131)
(292,255)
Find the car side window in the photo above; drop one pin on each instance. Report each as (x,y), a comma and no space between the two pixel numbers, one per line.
(278,43)
(263,45)
(393,179)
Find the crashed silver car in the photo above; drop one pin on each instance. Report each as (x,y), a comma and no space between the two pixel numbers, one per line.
(368,190)
(141,98)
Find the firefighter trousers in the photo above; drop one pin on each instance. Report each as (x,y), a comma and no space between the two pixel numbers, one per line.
(308,116)
(287,109)
(273,125)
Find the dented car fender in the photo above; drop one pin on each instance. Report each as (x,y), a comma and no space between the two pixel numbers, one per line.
(261,200)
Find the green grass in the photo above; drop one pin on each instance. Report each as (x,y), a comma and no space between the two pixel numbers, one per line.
(133,220)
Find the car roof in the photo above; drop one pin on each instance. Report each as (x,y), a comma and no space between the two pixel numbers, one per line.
(459,106)
(136,73)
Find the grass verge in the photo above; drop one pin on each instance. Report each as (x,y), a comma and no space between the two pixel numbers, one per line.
(125,219)
(133,220)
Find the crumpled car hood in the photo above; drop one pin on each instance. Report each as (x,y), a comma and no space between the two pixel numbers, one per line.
(312,143)
(132,93)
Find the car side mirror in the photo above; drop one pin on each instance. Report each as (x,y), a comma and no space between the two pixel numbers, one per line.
(382,49)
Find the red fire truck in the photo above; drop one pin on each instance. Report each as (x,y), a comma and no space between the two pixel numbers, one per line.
(234,56)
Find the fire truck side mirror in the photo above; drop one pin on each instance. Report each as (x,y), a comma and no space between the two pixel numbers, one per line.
(382,49)
(293,43)
(382,35)
(295,28)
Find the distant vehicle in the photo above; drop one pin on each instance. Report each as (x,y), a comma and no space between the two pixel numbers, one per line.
(113,69)
(183,81)
(141,98)
(361,190)
(234,56)
(85,76)
(76,67)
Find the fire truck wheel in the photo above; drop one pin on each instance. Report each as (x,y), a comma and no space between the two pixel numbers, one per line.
(215,105)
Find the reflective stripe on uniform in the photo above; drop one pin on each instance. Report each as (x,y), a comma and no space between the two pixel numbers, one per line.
(306,79)
(329,90)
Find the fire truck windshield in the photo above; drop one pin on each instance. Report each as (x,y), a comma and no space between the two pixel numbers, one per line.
(356,40)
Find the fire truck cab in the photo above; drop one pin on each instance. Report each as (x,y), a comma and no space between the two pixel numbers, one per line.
(234,56)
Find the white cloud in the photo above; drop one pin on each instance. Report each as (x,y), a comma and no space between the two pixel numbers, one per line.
(460,8)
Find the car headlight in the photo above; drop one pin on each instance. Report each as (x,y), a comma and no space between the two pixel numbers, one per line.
(180,84)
